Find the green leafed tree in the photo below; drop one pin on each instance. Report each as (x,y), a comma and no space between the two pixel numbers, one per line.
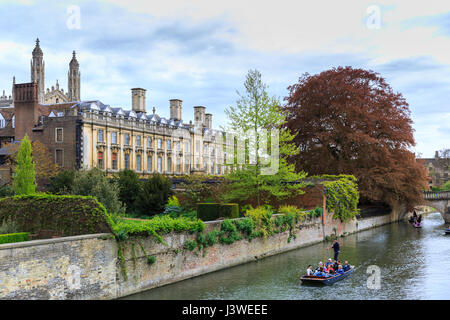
(24,177)
(129,188)
(94,182)
(154,195)
(254,112)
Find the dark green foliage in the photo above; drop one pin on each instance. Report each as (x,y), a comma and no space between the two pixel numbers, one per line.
(94,183)
(213,211)
(68,215)
(151,260)
(62,183)
(6,191)
(190,245)
(154,195)
(129,188)
(14,237)
(228,232)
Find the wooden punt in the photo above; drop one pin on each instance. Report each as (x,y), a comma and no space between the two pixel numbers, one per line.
(326,280)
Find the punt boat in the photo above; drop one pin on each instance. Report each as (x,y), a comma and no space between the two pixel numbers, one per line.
(326,280)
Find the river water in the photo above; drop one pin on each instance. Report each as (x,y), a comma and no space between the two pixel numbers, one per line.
(413,264)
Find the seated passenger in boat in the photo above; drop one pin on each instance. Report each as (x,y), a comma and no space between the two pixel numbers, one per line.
(309,271)
(320,266)
(328,263)
(320,272)
(340,270)
(346,266)
(330,269)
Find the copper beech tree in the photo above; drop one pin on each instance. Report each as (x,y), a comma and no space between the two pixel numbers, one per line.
(349,121)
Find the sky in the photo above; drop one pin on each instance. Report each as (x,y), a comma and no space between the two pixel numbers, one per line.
(200,51)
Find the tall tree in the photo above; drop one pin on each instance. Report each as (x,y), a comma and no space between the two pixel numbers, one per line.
(256,110)
(44,166)
(349,121)
(24,176)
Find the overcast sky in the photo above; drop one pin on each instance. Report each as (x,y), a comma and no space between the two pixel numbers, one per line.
(199,51)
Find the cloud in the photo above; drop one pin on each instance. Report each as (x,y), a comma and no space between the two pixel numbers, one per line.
(199,51)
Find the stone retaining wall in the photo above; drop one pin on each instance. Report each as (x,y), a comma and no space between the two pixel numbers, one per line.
(87,267)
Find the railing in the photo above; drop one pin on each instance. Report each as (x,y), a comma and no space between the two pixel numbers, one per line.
(436,195)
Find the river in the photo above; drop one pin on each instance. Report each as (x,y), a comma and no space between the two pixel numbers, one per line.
(413,264)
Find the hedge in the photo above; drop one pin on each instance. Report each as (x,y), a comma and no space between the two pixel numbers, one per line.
(14,237)
(67,215)
(213,211)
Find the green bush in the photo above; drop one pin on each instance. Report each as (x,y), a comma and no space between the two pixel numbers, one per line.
(6,191)
(213,211)
(94,183)
(62,183)
(154,195)
(67,214)
(129,188)
(14,237)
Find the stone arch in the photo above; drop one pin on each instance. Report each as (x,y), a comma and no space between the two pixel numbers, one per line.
(442,206)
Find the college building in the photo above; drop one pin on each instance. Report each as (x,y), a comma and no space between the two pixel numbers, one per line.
(87,134)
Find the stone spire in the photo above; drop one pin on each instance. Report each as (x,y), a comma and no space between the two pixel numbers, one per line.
(74,79)
(38,70)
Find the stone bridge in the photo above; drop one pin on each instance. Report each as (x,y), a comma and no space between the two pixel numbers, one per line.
(440,200)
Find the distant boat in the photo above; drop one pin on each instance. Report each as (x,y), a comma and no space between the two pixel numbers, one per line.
(447,231)
(326,280)
(417,225)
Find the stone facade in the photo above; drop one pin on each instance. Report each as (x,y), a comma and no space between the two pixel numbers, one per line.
(87,134)
(438,170)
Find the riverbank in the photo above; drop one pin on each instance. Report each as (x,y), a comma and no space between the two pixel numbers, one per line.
(89,267)
(409,260)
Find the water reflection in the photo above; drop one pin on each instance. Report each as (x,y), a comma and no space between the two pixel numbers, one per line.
(413,263)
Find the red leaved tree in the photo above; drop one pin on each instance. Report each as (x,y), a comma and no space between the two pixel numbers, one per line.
(349,121)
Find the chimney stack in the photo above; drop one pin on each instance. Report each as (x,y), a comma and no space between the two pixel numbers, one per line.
(176,109)
(199,116)
(138,100)
(208,120)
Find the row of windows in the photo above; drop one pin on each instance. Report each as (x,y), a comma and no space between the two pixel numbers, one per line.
(187,145)
(100,163)
(100,138)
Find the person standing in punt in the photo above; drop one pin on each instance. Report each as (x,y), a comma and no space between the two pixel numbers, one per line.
(337,248)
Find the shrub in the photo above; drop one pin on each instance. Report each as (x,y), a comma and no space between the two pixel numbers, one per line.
(129,188)
(8,226)
(261,216)
(213,211)
(154,195)
(14,237)
(200,189)
(94,183)
(6,191)
(190,245)
(62,182)
(173,202)
(67,214)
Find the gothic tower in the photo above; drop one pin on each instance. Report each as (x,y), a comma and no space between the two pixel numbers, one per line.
(74,80)
(37,71)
